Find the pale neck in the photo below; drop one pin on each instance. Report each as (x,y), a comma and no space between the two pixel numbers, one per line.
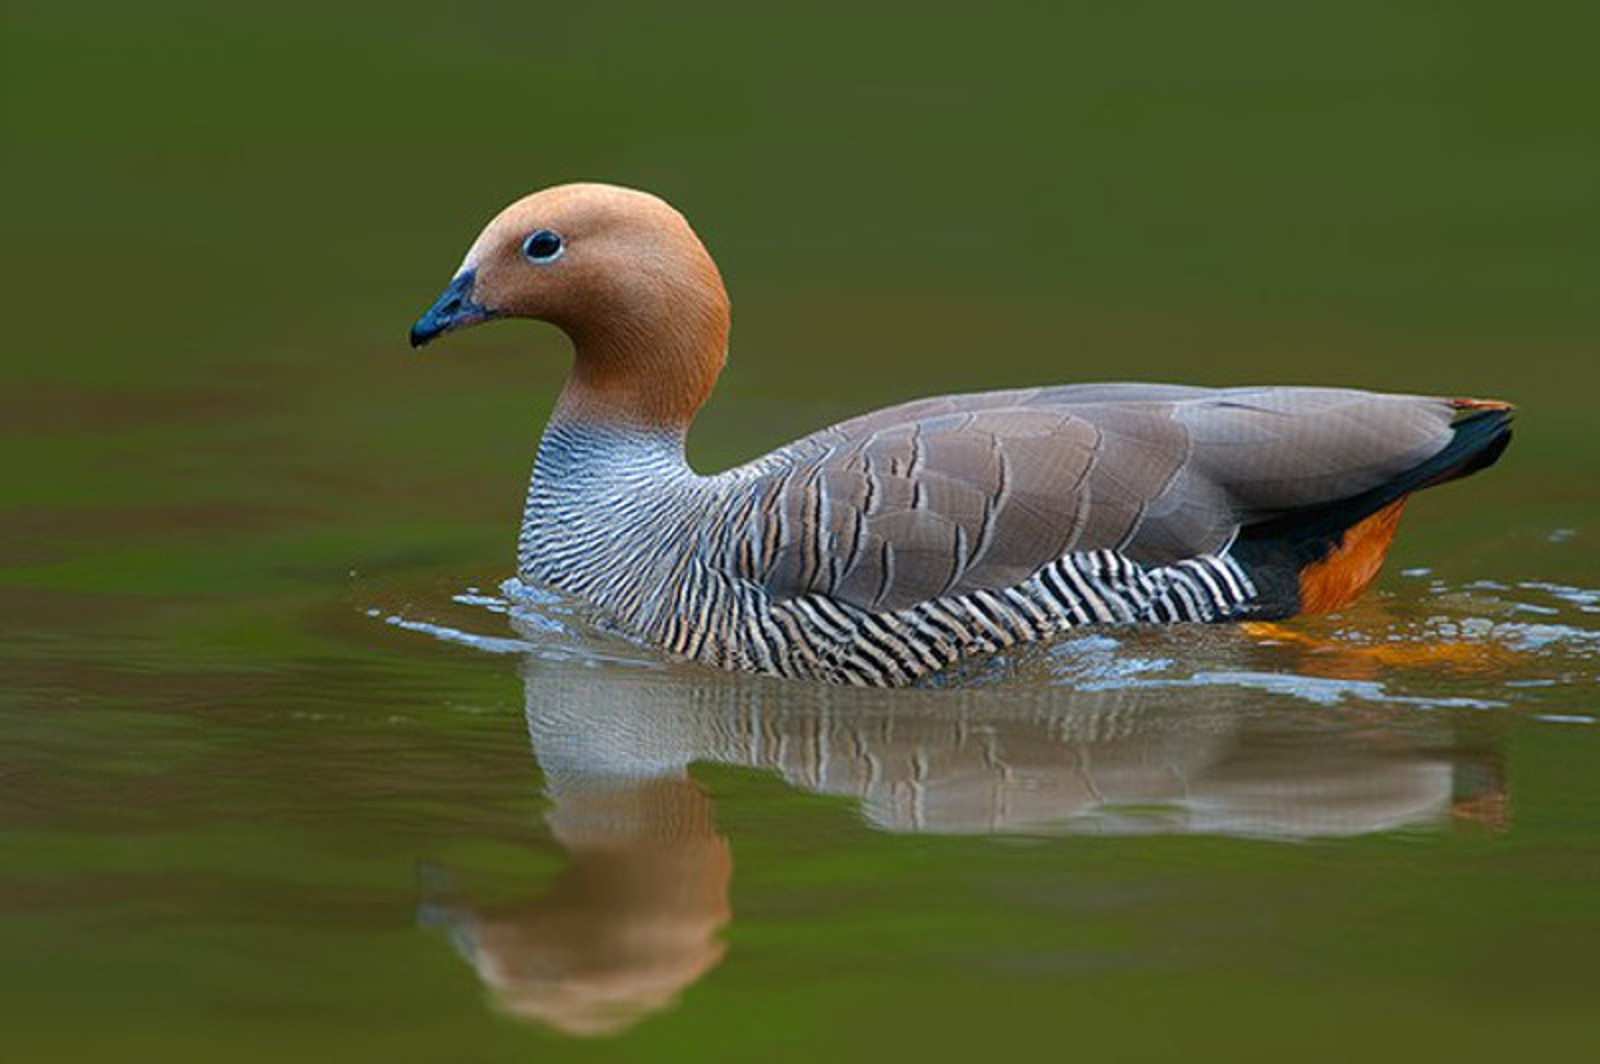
(603,497)
(574,452)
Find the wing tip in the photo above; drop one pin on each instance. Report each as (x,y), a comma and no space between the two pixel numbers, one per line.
(1468,407)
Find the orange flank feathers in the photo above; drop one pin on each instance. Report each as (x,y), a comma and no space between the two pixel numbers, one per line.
(1341,577)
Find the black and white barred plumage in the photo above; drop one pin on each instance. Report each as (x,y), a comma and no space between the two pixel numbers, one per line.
(675,559)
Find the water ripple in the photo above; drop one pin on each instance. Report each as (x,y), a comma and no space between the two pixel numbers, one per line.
(1473,646)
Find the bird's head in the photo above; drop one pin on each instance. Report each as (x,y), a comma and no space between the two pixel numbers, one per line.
(622,274)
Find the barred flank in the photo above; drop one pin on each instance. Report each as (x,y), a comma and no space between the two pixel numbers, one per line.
(671,557)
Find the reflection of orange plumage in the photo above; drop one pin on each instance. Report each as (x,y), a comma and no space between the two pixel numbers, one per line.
(1489,809)
(625,928)
(1346,660)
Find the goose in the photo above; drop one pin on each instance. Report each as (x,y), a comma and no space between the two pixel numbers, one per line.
(894,545)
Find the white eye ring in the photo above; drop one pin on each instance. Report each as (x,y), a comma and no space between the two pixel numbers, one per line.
(543,246)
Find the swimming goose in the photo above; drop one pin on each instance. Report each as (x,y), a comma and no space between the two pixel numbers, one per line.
(896,544)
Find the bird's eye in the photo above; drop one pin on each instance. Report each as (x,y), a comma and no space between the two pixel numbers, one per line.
(543,245)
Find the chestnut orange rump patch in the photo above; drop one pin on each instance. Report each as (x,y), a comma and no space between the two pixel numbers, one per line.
(1347,570)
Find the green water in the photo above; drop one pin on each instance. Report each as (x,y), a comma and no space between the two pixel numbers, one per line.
(284,773)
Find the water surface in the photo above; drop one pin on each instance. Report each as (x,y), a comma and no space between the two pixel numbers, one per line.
(286,773)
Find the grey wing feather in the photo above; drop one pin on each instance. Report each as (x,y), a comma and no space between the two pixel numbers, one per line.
(951,495)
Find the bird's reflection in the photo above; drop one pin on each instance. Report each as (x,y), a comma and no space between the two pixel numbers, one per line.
(635,917)
(631,921)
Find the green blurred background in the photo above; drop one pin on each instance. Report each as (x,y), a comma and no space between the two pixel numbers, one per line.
(904,200)
(220,220)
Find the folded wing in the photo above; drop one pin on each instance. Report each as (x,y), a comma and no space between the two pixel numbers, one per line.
(952,495)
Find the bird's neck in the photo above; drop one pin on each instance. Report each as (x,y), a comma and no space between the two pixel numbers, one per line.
(587,460)
(604,503)
(649,362)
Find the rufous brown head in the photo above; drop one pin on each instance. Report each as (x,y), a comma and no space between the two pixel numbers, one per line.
(622,274)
